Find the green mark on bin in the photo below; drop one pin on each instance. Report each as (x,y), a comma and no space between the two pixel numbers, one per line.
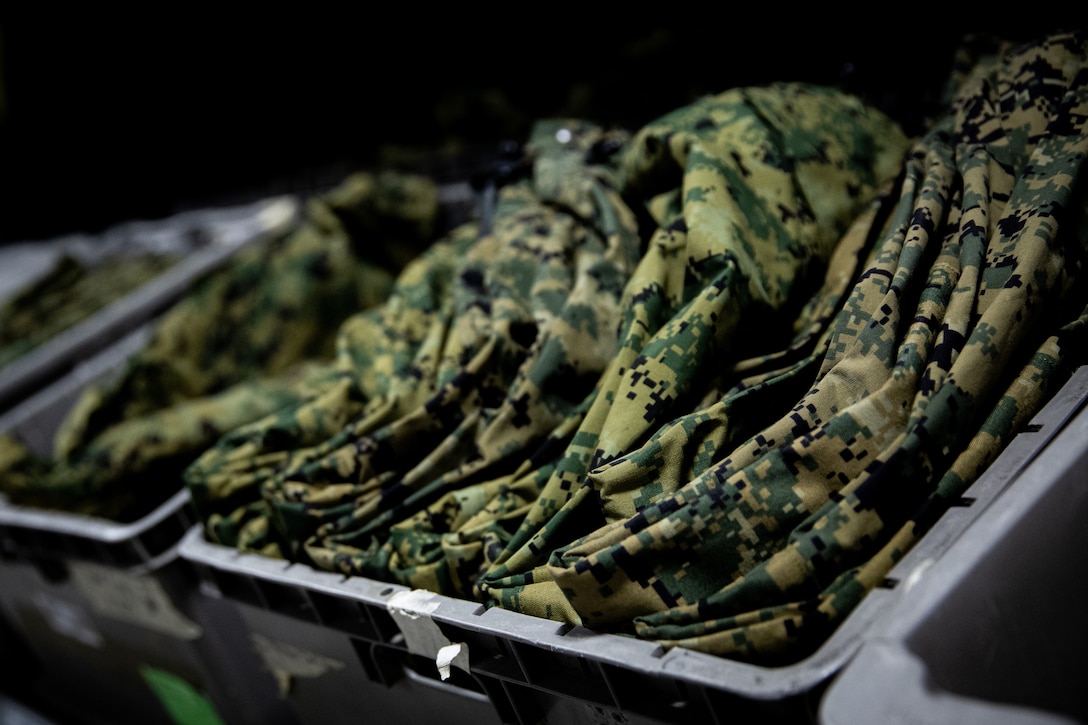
(186,705)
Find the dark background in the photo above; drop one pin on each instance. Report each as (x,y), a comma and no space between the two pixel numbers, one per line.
(105,119)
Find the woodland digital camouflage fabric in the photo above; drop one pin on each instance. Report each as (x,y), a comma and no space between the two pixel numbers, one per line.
(247,340)
(705,384)
(506,366)
(487,344)
(701,383)
(751,524)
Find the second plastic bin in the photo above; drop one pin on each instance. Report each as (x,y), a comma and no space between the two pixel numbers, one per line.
(344,648)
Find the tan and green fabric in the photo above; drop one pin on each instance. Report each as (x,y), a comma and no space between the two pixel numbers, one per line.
(249,339)
(505,364)
(487,344)
(751,525)
(702,384)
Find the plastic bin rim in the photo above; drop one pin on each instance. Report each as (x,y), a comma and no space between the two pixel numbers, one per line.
(707,670)
(89,527)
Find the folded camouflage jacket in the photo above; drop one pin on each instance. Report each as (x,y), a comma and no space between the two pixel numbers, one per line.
(250,338)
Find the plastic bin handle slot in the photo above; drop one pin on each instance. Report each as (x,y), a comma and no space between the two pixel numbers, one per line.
(412,611)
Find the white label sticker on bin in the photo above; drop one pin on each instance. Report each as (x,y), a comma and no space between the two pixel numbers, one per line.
(68,619)
(132,598)
(412,611)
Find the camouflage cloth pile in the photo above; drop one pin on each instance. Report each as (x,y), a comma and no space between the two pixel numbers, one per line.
(506,366)
(246,340)
(704,384)
(756,519)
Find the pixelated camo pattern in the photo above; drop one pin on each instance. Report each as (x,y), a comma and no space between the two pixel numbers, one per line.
(703,384)
(249,339)
(488,348)
(507,365)
(967,312)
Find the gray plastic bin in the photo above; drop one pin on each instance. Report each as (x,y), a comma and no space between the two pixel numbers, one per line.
(345,646)
(994,629)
